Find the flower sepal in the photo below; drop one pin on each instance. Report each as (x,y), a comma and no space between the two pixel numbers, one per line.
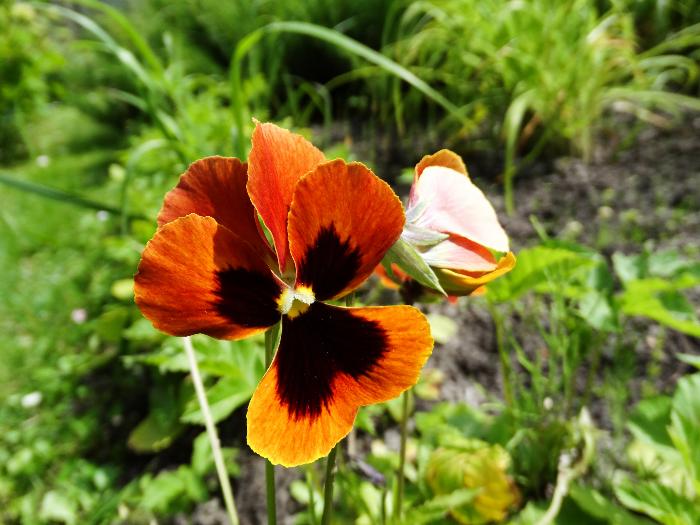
(422,237)
(404,255)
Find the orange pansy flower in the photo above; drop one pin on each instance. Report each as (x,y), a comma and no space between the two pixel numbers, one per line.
(209,269)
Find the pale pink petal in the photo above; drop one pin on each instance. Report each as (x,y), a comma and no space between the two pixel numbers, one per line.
(460,254)
(449,202)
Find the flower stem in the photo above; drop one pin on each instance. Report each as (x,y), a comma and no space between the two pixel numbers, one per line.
(328,487)
(398,499)
(312,489)
(271,337)
(211,432)
(330,461)
(271,500)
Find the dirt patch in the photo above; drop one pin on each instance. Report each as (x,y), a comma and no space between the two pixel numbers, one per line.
(648,196)
(649,193)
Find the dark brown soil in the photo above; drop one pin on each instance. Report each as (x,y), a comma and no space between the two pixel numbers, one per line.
(649,196)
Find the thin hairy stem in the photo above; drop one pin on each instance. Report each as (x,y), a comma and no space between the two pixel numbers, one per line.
(211,433)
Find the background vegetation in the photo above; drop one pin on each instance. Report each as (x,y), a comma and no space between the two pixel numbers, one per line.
(593,414)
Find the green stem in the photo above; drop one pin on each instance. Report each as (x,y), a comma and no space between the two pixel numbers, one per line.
(398,499)
(328,488)
(330,461)
(211,433)
(271,339)
(382,508)
(568,472)
(504,357)
(312,489)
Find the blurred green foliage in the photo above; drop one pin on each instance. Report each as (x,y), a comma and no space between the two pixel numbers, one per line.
(27,62)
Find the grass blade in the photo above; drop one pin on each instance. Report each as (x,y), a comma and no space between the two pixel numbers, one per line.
(337,39)
(61,196)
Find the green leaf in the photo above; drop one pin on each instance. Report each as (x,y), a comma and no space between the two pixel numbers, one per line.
(410,261)
(658,300)
(110,324)
(442,327)
(653,453)
(395,406)
(657,501)
(56,506)
(243,360)
(224,397)
(650,419)
(441,506)
(240,366)
(193,485)
(595,308)
(629,267)
(452,419)
(692,360)
(540,269)
(153,434)
(512,123)
(598,506)
(685,424)
(160,428)
(366,417)
(477,466)
(142,331)
(372,499)
(667,263)
(172,490)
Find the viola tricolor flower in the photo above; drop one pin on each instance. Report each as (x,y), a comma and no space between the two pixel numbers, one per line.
(210,269)
(453,226)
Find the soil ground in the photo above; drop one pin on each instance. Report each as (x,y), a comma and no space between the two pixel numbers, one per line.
(648,196)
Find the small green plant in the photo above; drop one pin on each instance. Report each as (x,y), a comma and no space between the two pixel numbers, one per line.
(665,455)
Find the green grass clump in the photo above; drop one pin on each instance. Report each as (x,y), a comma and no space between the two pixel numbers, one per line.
(546,73)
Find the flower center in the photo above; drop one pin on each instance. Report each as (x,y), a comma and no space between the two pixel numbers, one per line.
(295,301)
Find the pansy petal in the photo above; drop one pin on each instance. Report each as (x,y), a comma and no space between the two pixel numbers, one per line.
(277,161)
(445,158)
(463,283)
(331,361)
(342,221)
(215,187)
(458,253)
(196,276)
(453,204)
(387,280)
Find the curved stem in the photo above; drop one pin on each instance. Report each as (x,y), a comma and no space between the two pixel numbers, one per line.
(398,499)
(211,433)
(330,461)
(328,488)
(271,337)
(568,472)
